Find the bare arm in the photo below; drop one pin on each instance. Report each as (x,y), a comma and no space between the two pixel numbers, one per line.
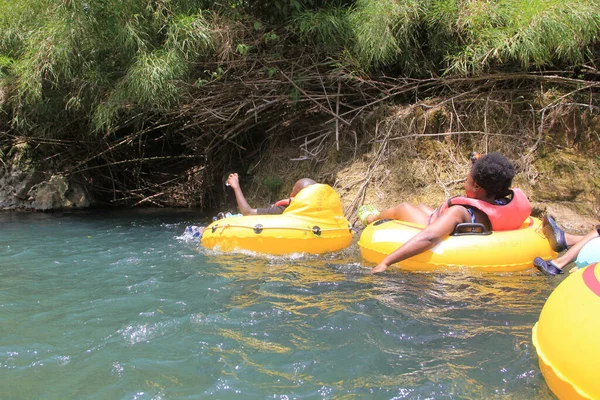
(427,238)
(242,204)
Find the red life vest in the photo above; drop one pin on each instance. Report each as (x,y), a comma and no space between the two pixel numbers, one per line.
(284,202)
(503,217)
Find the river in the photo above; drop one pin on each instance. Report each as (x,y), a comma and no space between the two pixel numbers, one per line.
(121,305)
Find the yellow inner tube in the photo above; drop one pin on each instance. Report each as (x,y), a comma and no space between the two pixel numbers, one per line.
(498,251)
(313,223)
(566,336)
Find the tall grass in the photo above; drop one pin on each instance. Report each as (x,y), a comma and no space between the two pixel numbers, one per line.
(98,60)
(528,33)
(412,37)
(327,28)
(386,32)
(123,53)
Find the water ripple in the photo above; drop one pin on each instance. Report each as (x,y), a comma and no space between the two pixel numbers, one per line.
(119,306)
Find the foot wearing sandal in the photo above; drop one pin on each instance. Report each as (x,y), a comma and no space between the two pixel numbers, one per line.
(365,211)
(547,267)
(555,235)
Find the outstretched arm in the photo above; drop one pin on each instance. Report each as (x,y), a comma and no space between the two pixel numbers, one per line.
(427,238)
(242,204)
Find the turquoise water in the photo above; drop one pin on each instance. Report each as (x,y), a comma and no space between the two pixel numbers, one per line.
(117,305)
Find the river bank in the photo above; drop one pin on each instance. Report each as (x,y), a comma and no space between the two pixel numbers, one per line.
(413,153)
(416,151)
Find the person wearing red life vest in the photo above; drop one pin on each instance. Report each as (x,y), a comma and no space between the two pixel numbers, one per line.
(488,200)
(277,208)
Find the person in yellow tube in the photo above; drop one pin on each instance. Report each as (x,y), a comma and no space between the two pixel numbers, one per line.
(488,200)
(277,208)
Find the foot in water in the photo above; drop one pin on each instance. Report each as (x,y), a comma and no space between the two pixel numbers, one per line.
(194,231)
(546,267)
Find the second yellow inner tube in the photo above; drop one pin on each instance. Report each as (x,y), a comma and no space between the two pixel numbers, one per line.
(498,251)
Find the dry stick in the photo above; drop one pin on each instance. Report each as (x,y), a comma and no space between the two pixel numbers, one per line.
(307,141)
(149,198)
(360,195)
(358,110)
(352,183)
(315,151)
(586,105)
(319,148)
(570,93)
(419,135)
(40,140)
(432,83)
(124,123)
(263,106)
(308,134)
(458,120)
(453,98)
(540,135)
(315,101)
(228,137)
(359,86)
(324,90)
(525,158)
(485,124)
(337,110)
(337,122)
(444,186)
(125,140)
(134,160)
(255,115)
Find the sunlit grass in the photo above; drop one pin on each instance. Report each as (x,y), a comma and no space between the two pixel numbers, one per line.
(104,59)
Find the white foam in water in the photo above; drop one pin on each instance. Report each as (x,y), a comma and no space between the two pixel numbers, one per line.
(191,233)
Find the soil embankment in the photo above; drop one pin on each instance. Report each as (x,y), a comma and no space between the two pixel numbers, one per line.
(419,154)
(412,150)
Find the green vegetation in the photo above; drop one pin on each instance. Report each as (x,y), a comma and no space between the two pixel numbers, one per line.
(459,37)
(131,95)
(541,33)
(99,58)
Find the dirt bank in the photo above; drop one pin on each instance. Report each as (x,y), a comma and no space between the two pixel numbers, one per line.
(420,154)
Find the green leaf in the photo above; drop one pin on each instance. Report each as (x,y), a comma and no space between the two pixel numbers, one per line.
(243,49)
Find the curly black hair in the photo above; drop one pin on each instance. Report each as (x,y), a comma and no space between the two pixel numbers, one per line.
(494,173)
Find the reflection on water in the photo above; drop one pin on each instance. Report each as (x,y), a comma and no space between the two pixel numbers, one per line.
(316,289)
(423,334)
(119,306)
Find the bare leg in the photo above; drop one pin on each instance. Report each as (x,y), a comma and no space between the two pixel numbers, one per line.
(403,212)
(571,254)
(572,239)
(426,209)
